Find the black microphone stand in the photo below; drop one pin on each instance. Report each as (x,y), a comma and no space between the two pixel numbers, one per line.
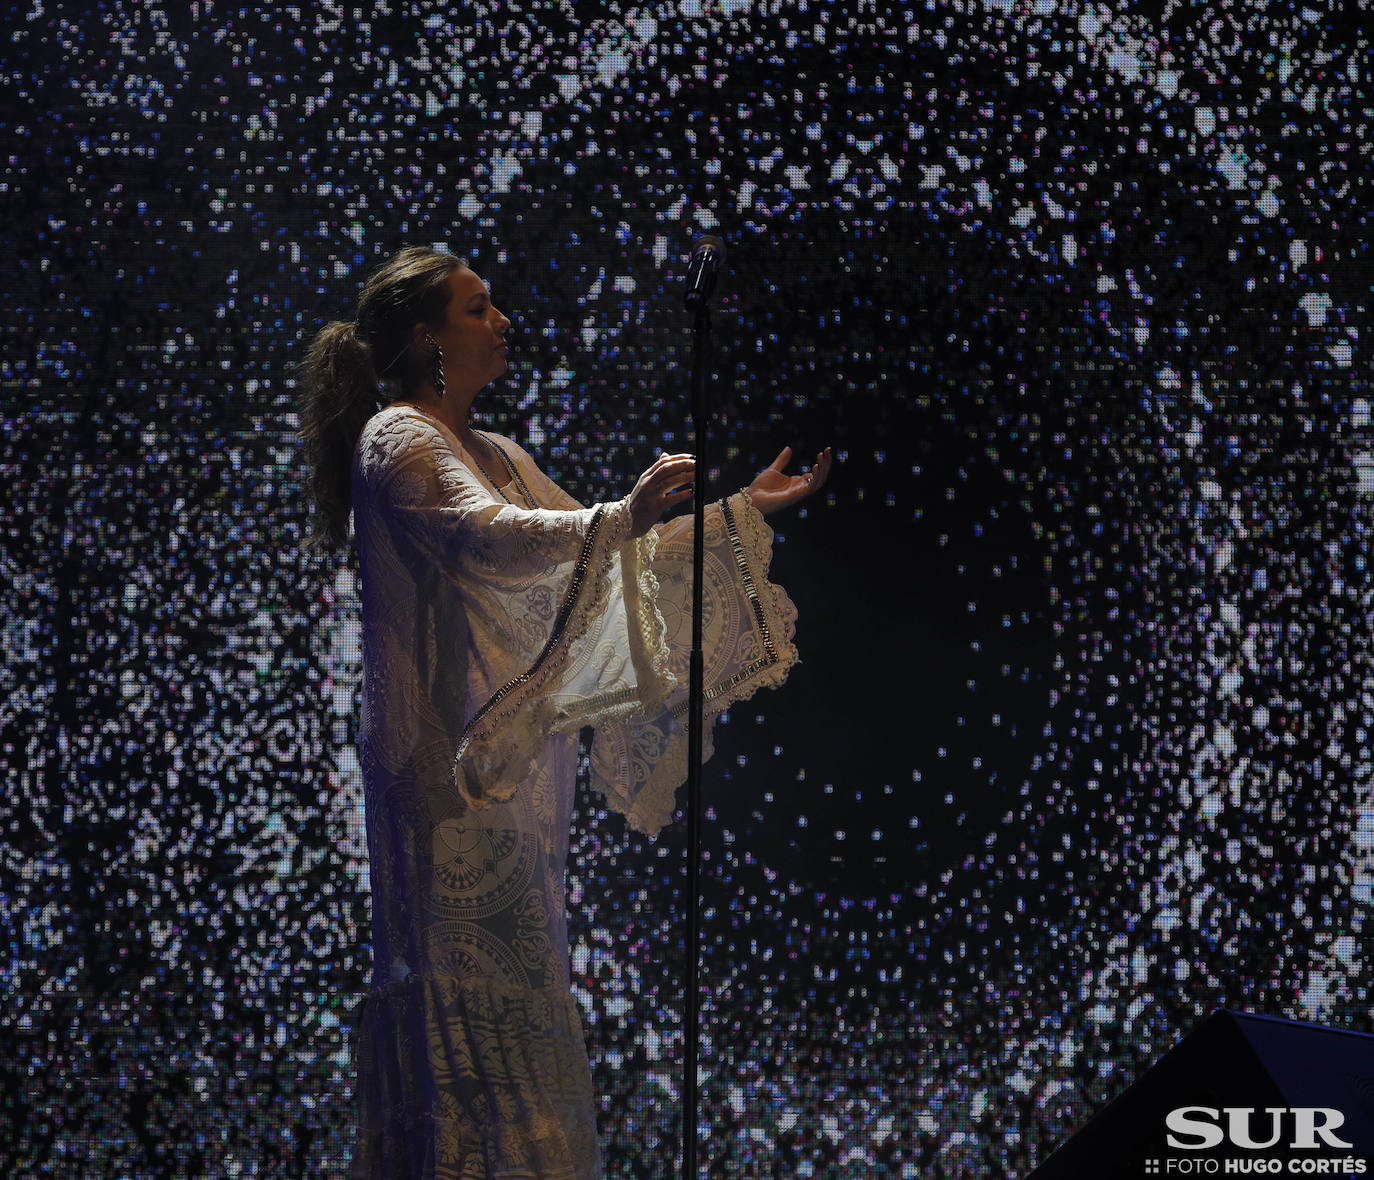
(701,332)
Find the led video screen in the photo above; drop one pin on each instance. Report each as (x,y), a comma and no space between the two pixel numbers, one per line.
(1079,749)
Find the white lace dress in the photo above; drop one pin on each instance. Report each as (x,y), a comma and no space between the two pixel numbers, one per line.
(492,632)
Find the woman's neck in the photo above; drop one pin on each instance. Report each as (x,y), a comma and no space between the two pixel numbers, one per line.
(452,410)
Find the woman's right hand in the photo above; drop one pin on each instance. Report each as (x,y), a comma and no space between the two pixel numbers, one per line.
(664,485)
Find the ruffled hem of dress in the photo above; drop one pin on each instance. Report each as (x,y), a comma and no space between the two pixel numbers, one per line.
(460,1077)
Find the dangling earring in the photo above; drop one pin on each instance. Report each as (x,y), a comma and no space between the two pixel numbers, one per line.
(436,364)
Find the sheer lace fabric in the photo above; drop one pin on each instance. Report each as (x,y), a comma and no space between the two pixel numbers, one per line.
(492,633)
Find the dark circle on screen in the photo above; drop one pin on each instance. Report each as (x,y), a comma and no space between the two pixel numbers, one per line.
(924,690)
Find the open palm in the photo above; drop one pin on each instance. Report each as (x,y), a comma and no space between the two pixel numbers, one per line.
(773,488)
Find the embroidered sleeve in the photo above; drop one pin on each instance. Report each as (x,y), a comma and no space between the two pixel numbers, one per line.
(748,625)
(570,621)
(540,590)
(449,518)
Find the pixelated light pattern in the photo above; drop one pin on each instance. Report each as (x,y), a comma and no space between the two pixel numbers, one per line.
(1080,749)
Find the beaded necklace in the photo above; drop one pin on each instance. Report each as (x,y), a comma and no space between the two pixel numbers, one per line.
(499,449)
(510,467)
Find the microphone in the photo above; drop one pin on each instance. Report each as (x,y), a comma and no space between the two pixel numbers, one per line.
(707,255)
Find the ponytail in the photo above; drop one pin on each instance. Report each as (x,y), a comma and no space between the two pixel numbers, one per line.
(342,372)
(340,396)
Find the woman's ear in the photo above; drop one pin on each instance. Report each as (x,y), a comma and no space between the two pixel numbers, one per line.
(422,342)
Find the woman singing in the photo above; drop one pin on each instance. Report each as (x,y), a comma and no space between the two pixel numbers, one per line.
(499,617)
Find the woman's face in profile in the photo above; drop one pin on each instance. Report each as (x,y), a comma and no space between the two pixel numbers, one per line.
(473,336)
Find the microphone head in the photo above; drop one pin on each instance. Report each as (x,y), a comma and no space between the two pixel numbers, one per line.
(708,242)
(707,255)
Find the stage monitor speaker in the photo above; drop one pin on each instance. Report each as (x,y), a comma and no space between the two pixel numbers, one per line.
(1234,1061)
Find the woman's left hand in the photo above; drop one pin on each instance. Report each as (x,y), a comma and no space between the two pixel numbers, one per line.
(773,488)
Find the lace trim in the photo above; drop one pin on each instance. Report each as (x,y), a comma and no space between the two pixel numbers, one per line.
(514,472)
(648,636)
(649,623)
(770,652)
(651,807)
(489,718)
